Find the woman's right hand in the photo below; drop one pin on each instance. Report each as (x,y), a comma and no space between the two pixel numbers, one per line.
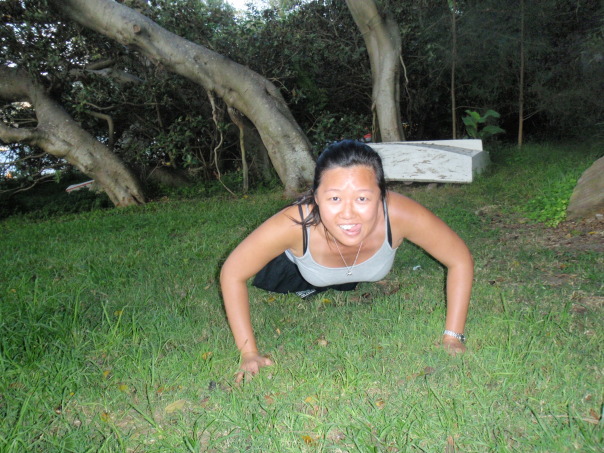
(251,363)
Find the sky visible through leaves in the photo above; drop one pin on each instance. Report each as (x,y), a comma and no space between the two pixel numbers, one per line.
(242,4)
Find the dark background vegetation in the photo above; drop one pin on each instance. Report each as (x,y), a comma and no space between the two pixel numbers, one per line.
(314,53)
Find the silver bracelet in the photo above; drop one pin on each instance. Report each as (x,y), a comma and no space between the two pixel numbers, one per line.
(460,336)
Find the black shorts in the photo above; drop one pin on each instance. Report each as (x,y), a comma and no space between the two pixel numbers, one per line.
(281,275)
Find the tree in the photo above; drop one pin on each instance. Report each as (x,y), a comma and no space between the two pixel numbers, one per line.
(453,8)
(383,41)
(58,134)
(240,88)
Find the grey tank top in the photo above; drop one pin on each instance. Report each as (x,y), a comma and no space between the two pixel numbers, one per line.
(371,270)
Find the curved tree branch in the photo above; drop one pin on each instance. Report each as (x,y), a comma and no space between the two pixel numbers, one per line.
(58,134)
(239,87)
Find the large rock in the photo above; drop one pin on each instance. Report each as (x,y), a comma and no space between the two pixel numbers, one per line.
(588,197)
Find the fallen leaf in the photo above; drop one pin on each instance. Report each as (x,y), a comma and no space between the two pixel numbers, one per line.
(310,399)
(380,403)
(106,373)
(578,308)
(175,406)
(322,342)
(594,415)
(105,416)
(269,399)
(450,448)
(308,440)
(206,355)
(123,388)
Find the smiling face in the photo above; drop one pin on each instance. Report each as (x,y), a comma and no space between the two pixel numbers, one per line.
(349,200)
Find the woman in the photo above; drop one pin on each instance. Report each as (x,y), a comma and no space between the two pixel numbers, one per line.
(345,230)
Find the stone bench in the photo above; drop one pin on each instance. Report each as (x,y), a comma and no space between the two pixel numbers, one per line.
(445,161)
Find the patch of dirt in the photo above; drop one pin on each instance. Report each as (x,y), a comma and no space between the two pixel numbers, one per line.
(573,236)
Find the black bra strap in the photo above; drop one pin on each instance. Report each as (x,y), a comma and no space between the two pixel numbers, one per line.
(304,238)
(388,223)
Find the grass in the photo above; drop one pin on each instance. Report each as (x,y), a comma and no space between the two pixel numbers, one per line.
(113,337)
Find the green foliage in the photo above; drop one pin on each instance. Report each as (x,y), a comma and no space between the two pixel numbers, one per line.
(50,200)
(481,126)
(537,180)
(181,144)
(332,127)
(549,207)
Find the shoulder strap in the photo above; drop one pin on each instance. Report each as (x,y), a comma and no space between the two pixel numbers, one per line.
(388,230)
(304,233)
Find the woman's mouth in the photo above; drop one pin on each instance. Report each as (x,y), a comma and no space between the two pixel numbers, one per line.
(351,229)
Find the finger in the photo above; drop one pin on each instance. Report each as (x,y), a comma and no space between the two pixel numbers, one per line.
(239,377)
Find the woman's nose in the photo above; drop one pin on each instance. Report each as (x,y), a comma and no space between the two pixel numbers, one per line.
(347,210)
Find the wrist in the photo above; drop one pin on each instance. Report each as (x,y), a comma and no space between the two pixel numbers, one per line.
(459,336)
(250,353)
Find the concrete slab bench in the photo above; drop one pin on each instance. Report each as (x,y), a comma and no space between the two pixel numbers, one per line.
(445,161)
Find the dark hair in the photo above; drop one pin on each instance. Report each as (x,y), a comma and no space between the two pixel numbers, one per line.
(343,154)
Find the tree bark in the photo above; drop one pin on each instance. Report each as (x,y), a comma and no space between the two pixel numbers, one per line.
(521,81)
(383,41)
(453,8)
(239,87)
(58,134)
(588,196)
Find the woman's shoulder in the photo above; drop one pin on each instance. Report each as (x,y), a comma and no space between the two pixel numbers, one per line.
(403,213)
(400,204)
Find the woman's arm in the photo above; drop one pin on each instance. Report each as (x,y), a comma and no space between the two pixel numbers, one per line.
(269,240)
(412,221)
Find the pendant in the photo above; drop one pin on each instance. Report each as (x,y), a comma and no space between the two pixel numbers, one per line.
(349,273)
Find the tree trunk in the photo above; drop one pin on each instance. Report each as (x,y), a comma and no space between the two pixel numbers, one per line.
(588,197)
(453,8)
(239,87)
(383,41)
(58,134)
(521,81)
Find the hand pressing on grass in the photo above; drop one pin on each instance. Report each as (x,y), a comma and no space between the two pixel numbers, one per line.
(251,362)
(453,346)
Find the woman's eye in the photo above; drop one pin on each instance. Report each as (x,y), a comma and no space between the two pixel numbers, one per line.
(335,198)
(362,198)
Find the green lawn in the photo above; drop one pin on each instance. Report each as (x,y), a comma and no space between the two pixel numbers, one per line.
(113,336)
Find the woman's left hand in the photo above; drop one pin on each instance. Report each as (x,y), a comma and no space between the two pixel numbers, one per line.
(452,345)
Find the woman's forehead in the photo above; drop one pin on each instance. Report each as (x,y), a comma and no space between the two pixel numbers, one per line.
(357,177)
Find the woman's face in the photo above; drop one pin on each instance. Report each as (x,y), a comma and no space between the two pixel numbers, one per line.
(349,200)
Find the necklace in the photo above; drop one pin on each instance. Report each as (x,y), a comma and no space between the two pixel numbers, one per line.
(348,268)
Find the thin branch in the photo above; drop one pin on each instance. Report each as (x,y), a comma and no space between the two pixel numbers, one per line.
(98,107)
(237,118)
(215,118)
(44,178)
(110,126)
(16,161)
